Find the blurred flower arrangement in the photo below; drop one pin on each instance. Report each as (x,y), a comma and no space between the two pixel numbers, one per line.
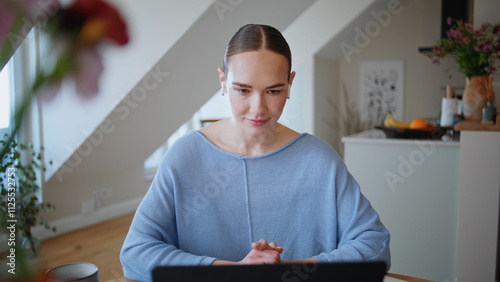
(474,51)
(74,34)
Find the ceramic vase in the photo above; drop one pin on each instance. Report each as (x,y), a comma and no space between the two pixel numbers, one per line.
(478,90)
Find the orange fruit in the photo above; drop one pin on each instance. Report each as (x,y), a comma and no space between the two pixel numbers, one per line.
(418,123)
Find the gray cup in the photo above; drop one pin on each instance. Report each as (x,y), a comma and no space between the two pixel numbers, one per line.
(77,271)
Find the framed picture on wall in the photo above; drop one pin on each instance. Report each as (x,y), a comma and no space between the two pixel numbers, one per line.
(381,90)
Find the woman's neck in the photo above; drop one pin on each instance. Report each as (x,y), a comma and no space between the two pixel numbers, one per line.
(229,137)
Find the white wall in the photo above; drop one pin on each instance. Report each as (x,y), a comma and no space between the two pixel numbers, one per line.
(153,26)
(416,25)
(306,36)
(485,11)
(326,101)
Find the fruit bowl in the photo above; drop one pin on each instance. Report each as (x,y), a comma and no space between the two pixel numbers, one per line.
(436,132)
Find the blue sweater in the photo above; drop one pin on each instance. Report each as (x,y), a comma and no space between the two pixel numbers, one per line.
(206,204)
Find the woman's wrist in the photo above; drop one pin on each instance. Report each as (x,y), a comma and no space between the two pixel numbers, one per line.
(223,262)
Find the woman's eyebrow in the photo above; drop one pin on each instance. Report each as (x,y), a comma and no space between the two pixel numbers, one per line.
(243,85)
(276,85)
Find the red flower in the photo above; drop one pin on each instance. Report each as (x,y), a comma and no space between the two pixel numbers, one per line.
(75,32)
(437,50)
(100,20)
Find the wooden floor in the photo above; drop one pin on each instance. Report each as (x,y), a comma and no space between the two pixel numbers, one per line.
(99,244)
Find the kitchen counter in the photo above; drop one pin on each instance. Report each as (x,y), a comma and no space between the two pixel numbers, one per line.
(413,185)
(376,136)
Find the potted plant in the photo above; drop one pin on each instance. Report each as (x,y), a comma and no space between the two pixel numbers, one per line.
(19,203)
(475,52)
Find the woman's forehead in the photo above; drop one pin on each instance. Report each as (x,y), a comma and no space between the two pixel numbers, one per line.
(262,62)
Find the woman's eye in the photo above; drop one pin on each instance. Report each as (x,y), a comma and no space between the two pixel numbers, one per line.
(242,91)
(274,92)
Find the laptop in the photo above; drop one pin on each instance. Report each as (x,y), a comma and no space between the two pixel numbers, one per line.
(339,271)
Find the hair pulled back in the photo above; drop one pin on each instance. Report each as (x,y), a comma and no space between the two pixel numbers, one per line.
(254,37)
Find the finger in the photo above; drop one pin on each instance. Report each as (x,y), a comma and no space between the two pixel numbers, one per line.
(263,259)
(269,254)
(270,261)
(275,247)
(260,245)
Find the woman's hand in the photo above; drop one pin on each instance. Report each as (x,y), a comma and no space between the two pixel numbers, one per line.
(263,253)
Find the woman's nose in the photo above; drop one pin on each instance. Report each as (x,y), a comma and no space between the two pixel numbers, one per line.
(257,104)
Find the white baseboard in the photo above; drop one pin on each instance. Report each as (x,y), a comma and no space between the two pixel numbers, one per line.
(78,221)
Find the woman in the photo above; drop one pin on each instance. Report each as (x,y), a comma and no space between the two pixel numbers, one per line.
(250,179)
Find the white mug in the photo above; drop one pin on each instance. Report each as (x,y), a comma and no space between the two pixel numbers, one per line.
(77,271)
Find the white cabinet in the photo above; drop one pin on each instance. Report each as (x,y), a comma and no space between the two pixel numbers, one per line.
(413,185)
(478,206)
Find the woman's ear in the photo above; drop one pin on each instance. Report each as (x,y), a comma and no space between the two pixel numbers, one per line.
(290,80)
(222,79)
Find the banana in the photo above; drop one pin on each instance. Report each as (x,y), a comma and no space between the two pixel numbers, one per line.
(390,121)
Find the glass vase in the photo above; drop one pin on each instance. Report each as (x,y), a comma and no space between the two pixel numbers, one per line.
(30,247)
(478,90)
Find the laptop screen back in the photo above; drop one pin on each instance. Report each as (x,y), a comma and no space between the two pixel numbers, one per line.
(345,271)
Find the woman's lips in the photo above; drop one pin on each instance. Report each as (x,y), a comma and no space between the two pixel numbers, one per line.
(257,122)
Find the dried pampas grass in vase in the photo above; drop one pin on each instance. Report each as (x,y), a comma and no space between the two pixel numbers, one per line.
(346,119)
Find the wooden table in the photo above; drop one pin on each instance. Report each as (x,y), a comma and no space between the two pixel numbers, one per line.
(393,275)
(407,278)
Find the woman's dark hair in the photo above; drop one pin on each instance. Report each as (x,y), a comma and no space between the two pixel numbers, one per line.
(253,37)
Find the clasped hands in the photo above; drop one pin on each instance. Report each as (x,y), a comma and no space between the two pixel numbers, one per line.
(263,253)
